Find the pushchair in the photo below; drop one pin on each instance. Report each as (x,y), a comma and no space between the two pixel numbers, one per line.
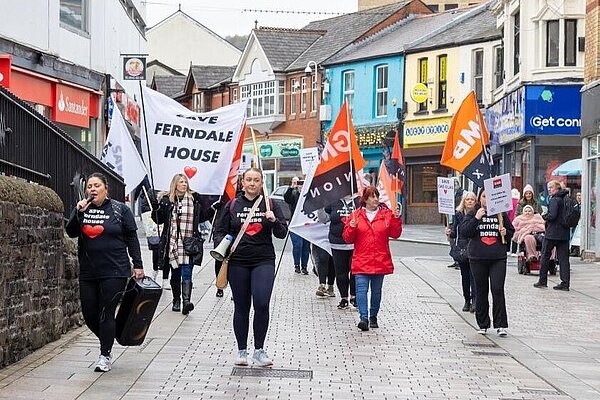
(525,266)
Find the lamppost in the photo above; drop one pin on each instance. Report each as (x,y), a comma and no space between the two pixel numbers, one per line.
(308,71)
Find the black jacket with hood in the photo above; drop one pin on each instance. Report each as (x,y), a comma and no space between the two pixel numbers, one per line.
(555,230)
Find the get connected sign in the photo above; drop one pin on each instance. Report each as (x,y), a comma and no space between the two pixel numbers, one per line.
(553,110)
(541,122)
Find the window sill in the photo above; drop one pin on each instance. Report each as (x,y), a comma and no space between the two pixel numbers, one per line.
(424,112)
(313,114)
(75,30)
(291,116)
(440,111)
(303,115)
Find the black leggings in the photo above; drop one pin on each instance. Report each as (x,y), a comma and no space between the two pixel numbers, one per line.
(342,260)
(99,299)
(490,274)
(218,265)
(251,286)
(324,265)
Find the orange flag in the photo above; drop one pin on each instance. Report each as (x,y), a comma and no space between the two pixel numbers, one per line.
(467,144)
(384,184)
(231,184)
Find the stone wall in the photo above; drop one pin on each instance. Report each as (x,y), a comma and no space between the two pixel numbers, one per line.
(39,290)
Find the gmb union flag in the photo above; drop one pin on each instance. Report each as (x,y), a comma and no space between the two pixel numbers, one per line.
(467,147)
(334,178)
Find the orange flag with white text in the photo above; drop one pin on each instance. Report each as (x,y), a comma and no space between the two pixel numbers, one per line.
(232,179)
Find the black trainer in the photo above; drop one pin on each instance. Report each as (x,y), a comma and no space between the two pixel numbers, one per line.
(304,271)
(539,284)
(343,304)
(561,286)
(353,302)
(297,269)
(363,325)
(467,306)
(373,322)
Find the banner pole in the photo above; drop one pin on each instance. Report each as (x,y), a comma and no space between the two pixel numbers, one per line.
(352,172)
(501,225)
(258,160)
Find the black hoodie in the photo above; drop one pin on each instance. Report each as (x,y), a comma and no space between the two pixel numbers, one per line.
(554,218)
(486,242)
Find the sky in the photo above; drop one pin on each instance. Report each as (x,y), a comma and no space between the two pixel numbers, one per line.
(236,17)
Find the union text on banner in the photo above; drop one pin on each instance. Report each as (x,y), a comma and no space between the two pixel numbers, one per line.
(199,145)
(466,148)
(445,194)
(120,155)
(333,179)
(498,194)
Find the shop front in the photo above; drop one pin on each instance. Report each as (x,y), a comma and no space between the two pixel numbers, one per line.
(537,128)
(371,139)
(423,142)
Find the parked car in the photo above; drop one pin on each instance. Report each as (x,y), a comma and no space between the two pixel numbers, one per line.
(277,197)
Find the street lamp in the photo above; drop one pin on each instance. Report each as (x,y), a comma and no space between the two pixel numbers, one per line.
(308,69)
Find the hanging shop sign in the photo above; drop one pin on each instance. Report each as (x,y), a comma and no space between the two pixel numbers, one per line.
(426,131)
(505,119)
(134,68)
(276,149)
(419,93)
(553,110)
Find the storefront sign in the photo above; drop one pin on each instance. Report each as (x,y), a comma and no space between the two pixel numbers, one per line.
(5,68)
(277,149)
(445,191)
(498,194)
(426,131)
(134,68)
(505,118)
(553,110)
(308,159)
(419,93)
(71,106)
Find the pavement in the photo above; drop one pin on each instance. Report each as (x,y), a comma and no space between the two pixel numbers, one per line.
(425,348)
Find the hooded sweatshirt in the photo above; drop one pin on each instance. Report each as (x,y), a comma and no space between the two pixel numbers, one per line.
(533,203)
(486,242)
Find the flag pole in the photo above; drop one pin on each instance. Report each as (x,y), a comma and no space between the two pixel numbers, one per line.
(352,172)
(259,162)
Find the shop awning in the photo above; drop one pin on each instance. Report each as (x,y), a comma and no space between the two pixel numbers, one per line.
(569,168)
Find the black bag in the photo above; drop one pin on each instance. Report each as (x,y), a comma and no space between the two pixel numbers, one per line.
(136,311)
(194,245)
(458,253)
(571,212)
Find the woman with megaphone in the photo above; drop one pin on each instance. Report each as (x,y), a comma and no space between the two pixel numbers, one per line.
(251,222)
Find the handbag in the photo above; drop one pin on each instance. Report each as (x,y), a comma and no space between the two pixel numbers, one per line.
(194,245)
(457,252)
(221,281)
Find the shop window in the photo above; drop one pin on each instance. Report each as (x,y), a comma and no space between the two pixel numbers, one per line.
(74,14)
(303,94)
(548,158)
(381,91)
(442,82)
(498,66)
(349,88)
(552,46)
(478,75)
(423,80)
(293,102)
(423,182)
(516,43)
(570,42)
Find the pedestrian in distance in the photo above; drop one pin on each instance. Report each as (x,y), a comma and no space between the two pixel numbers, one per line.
(370,229)
(180,211)
(487,257)
(459,193)
(300,246)
(528,199)
(107,240)
(466,205)
(326,271)
(336,214)
(251,272)
(557,236)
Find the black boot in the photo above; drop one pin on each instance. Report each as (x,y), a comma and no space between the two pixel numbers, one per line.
(467,306)
(186,295)
(176,288)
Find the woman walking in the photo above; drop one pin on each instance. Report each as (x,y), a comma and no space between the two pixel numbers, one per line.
(107,239)
(181,211)
(487,257)
(370,229)
(251,272)
(466,205)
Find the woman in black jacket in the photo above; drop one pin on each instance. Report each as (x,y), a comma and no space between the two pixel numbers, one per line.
(487,257)
(107,238)
(180,211)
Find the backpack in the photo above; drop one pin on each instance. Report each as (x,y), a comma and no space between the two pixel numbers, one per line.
(570,212)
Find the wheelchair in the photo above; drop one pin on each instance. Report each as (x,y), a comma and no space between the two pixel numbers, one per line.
(525,265)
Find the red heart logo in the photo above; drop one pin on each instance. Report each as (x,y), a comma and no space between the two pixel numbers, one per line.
(92,231)
(445,191)
(254,228)
(190,171)
(489,240)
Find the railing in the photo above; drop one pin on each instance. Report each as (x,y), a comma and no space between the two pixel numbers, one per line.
(33,148)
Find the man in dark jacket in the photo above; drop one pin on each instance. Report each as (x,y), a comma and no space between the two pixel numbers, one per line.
(300,246)
(556,236)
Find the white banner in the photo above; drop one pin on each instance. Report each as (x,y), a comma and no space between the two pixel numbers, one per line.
(309,158)
(120,155)
(498,194)
(445,195)
(201,146)
(308,226)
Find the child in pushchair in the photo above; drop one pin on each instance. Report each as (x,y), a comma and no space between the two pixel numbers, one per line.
(531,262)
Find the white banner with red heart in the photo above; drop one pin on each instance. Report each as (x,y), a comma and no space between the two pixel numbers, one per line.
(199,145)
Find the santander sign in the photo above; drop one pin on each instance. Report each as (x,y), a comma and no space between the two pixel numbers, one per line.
(72,106)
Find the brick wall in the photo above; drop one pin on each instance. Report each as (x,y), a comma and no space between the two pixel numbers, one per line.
(592,42)
(39,290)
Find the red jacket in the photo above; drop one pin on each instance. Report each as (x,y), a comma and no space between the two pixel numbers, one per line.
(371,241)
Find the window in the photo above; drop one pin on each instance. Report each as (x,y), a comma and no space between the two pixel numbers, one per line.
(245,91)
(423,186)
(451,6)
(478,75)
(516,43)
(498,66)
(303,94)
(381,90)
(423,80)
(349,88)
(235,95)
(442,83)
(570,42)
(552,45)
(434,7)
(74,14)
(261,98)
(281,98)
(197,102)
(293,104)
(256,99)
(313,94)
(269,103)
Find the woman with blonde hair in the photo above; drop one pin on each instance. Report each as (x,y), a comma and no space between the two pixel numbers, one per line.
(181,211)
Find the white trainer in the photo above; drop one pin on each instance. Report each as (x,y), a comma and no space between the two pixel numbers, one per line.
(261,359)
(104,364)
(482,331)
(242,358)
(502,332)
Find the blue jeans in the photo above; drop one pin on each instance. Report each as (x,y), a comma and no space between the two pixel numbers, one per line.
(300,250)
(362,287)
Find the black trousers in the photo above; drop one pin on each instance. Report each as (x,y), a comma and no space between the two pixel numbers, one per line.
(562,252)
(325,267)
(490,274)
(99,299)
(342,260)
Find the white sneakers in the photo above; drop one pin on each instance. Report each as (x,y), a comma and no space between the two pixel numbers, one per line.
(104,364)
(259,358)
(482,331)
(502,332)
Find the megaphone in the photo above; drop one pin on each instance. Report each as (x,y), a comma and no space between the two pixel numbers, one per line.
(221,250)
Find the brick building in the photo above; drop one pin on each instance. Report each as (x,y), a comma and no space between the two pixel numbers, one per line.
(434,5)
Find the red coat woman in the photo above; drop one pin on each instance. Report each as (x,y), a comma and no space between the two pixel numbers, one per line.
(370,229)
